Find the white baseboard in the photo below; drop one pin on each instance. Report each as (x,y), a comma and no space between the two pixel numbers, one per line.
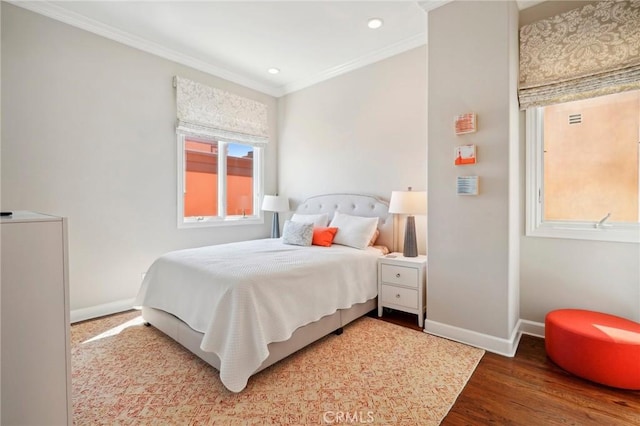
(101,310)
(532,328)
(506,347)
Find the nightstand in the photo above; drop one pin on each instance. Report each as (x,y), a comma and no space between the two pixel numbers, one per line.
(402,284)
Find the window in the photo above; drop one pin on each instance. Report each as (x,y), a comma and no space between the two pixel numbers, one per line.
(583,176)
(219,182)
(221,137)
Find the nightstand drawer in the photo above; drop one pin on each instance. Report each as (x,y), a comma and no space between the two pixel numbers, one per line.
(399,296)
(399,275)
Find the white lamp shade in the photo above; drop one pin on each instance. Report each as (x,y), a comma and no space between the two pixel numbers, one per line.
(408,202)
(275,203)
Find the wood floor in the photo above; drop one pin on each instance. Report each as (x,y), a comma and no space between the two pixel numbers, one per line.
(529,389)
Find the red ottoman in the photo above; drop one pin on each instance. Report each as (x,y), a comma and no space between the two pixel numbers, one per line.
(596,346)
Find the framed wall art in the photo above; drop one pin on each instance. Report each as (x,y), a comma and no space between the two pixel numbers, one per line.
(466,123)
(467,185)
(465,154)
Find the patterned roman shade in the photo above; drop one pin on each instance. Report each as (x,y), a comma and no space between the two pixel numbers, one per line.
(586,52)
(209,112)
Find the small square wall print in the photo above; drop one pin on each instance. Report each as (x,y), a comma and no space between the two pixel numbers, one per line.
(465,154)
(467,185)
(466,123)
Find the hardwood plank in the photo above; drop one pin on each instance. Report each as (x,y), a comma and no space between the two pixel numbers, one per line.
(398,317)
(529,389)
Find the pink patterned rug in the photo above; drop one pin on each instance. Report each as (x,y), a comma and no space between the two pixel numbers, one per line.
(374,373)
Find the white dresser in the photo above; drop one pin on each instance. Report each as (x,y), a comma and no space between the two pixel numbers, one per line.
(35,346)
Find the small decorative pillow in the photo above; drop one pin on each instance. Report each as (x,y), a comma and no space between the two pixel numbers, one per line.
(319,220)
(383,249)
(296,233)
(376,234)
(323,236)
(355,231)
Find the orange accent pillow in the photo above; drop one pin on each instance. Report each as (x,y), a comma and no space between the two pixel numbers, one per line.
(323,236)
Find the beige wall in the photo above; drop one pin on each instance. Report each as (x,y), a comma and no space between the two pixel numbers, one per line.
(472,285)
(88,133)
(473,240)
(361,132)
(84,110)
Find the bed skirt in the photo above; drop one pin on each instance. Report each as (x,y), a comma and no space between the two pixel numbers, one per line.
(303,336)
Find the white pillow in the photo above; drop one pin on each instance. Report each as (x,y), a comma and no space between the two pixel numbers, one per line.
(354,231)
(296,233)
(318,220)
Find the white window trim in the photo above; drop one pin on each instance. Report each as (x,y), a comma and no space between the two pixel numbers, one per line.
(209,221)
(535,225)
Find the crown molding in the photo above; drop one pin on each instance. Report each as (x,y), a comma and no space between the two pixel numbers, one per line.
(74,19)
(61,14)
(428,5)
(378,55)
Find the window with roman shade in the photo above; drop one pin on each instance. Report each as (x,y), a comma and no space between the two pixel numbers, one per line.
(205,111)
(580,87)
(220,138)
(583,53)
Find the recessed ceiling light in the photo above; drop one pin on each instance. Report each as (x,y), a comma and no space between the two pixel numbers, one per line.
(374,23)
(273,70)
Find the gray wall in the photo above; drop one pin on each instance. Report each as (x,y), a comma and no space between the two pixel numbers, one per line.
(88,133)
(473,240)
(362,132)
(601,276)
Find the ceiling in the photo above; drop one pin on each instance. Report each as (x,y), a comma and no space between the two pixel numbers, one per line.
(308,41)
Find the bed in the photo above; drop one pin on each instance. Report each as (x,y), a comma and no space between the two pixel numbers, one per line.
(243,306)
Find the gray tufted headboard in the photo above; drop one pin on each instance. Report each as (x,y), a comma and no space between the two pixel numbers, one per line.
(356,205)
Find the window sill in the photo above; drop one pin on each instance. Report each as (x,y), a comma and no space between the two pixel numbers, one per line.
(622,233)
(215,222)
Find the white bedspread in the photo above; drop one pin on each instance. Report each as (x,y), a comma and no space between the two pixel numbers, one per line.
(245,295)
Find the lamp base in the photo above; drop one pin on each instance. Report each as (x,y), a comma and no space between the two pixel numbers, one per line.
(275,226)
(410,242)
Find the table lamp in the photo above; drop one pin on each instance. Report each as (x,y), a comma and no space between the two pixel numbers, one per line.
(410,203)
(275,203)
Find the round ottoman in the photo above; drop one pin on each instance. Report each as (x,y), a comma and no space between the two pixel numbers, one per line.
(596,346)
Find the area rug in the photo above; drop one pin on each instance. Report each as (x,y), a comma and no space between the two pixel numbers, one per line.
(124,373)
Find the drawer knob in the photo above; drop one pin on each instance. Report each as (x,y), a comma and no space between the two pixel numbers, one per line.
(398,275)
(397,296)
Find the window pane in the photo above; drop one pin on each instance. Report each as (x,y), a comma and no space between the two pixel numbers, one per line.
(201,178)
(239,179)
(591,159)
